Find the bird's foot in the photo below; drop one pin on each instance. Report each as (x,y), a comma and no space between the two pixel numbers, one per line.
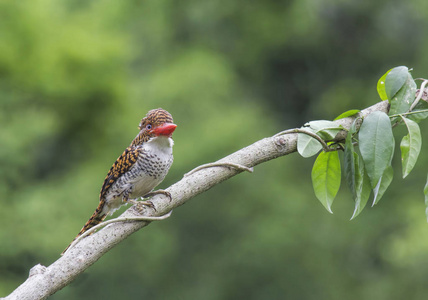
(140,205)
(220,164)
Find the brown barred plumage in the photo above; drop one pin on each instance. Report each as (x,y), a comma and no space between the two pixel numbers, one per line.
(121,166)
(140,168)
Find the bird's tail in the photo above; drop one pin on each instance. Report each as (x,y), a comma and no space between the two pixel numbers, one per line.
(97,217)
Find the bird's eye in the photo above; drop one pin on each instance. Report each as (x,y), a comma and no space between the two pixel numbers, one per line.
(149,126)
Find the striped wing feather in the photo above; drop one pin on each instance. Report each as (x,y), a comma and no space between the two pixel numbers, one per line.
(122,165)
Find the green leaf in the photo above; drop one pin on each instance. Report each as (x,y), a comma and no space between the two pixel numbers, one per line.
(394,80)
(326,174)
(383,184)
(410,146)
(381,86)
(362,186)
(404,97)
(327,130)
(356,177)
(349,163)
(376,145)
(426,198)
(307,146)
(346,114)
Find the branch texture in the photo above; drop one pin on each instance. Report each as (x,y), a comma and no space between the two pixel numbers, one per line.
(45,281)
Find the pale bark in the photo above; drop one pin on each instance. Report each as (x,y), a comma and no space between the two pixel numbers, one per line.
(45,281)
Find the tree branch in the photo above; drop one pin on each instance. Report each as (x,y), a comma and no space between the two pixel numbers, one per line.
(45,281)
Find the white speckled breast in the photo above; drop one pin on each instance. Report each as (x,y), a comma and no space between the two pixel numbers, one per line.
(149,171)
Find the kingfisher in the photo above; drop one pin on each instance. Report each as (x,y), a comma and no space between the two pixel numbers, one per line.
(141,167)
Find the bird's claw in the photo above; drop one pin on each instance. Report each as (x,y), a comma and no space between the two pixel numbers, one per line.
(140,205)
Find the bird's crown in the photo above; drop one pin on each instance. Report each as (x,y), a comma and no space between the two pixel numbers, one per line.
(155,117)
(156,122)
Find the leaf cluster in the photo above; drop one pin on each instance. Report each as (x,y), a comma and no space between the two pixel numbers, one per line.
(369,145)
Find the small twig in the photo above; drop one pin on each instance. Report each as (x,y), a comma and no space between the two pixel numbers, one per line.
(421,92)
(127,219)
(220,164)
(325,147)
(410,111)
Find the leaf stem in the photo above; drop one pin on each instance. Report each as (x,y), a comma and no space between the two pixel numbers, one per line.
(408,113)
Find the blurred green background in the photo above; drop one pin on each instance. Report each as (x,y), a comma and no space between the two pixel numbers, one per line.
(76,77)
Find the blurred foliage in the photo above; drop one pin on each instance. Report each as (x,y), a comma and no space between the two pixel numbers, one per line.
(77,76)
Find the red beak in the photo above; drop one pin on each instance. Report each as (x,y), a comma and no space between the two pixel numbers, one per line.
(166,129)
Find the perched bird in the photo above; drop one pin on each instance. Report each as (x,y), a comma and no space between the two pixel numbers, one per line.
(140,168)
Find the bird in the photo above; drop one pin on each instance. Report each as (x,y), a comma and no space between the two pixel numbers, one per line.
(138,170)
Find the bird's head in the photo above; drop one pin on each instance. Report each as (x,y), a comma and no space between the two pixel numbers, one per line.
(157,123)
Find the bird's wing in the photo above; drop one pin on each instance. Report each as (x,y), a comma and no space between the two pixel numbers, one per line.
(123,164)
